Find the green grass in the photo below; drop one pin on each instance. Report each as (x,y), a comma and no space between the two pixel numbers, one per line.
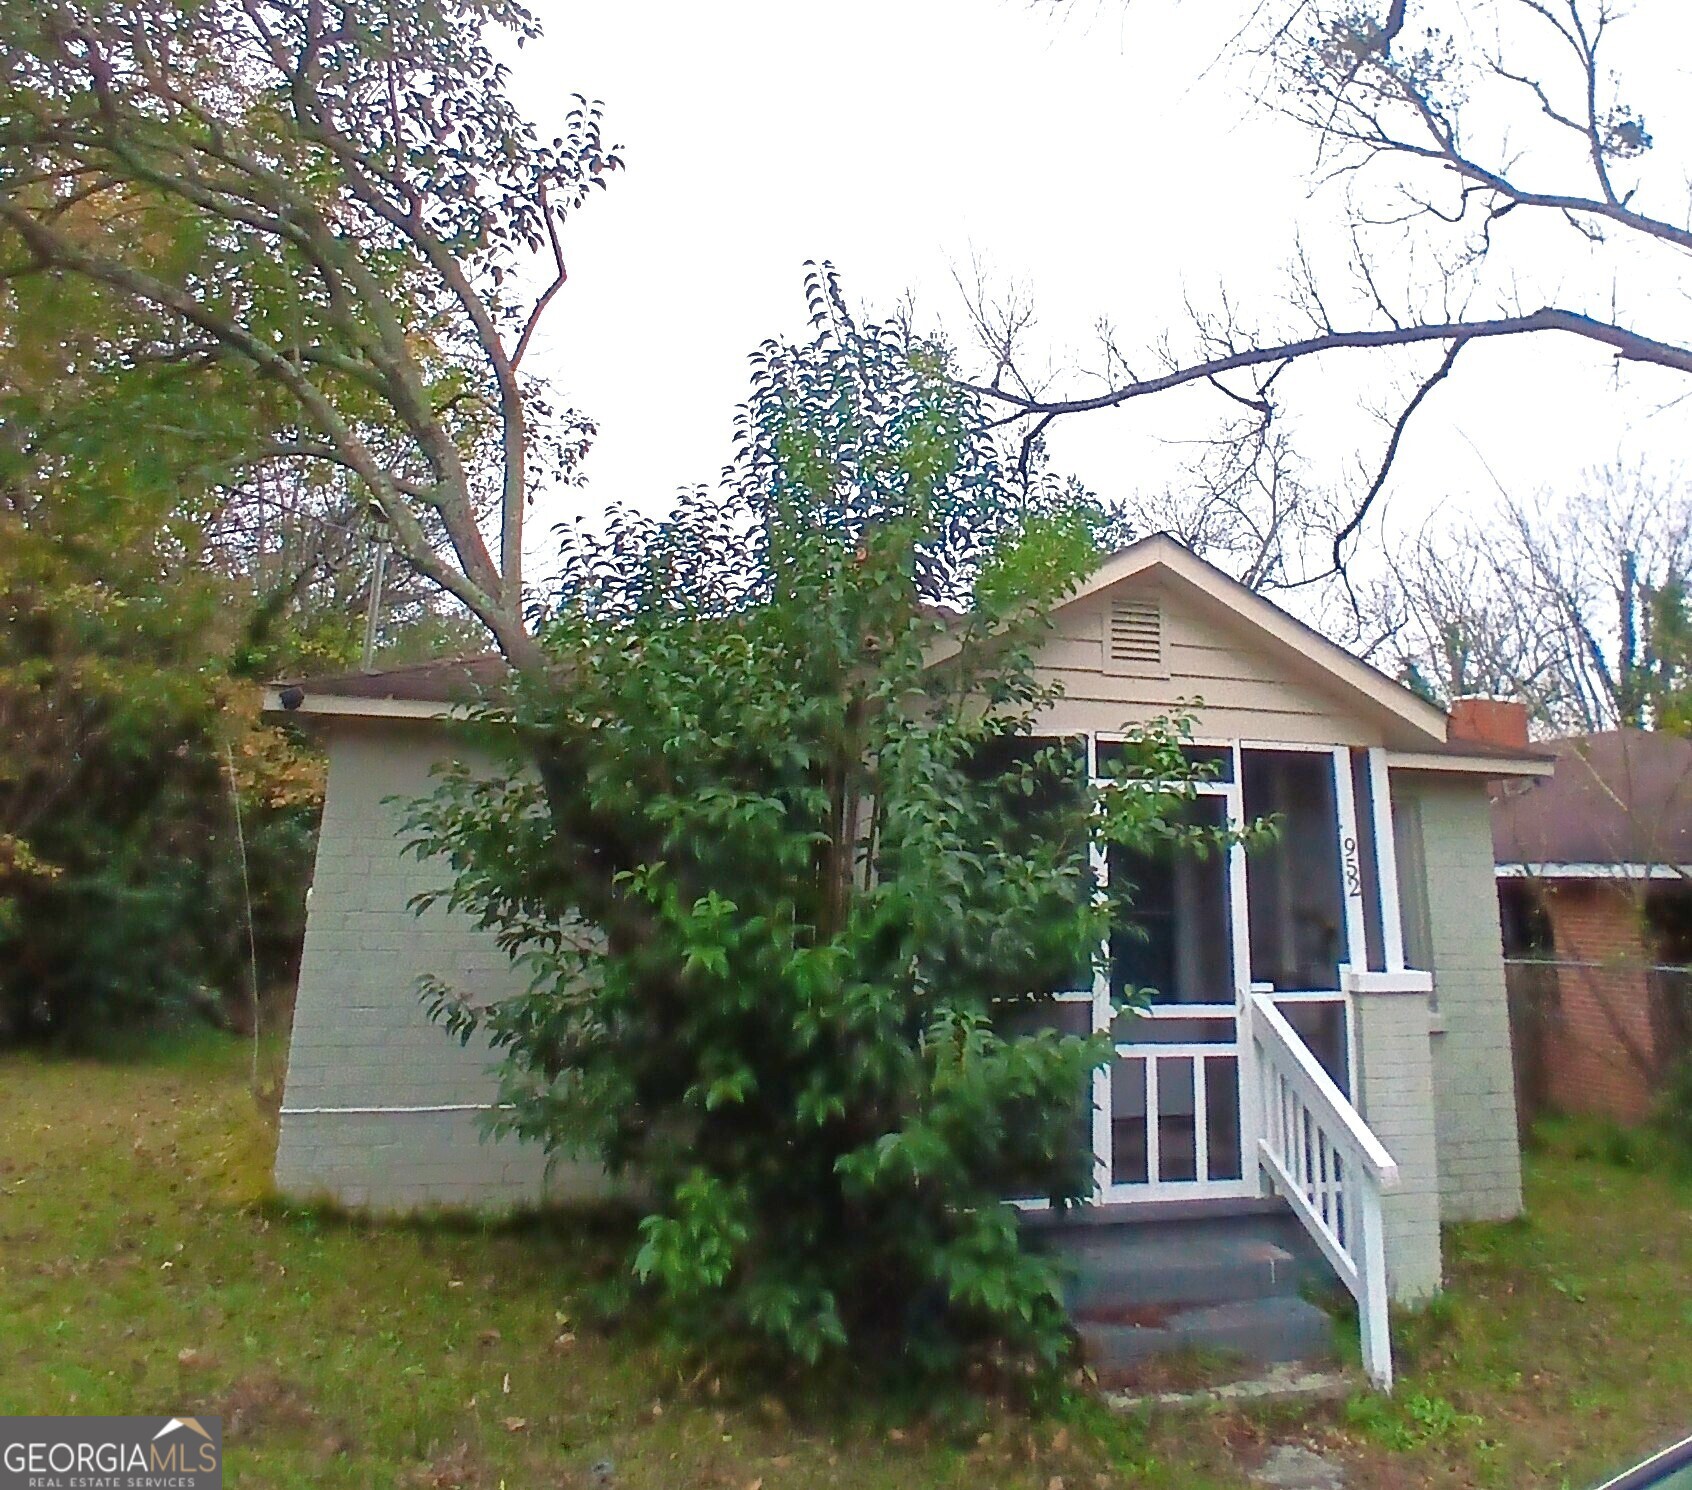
(143,1269)
(1562,1349)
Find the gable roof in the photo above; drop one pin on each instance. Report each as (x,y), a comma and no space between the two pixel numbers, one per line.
(442,689)
(1619,802)
(1314,654)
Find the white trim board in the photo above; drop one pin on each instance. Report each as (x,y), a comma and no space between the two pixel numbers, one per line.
(1550,871)
(345,705)
(1483,765)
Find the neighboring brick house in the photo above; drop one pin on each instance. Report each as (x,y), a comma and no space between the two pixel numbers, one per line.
(1595,897)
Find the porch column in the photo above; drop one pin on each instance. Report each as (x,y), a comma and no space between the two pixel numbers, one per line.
(1396,1097)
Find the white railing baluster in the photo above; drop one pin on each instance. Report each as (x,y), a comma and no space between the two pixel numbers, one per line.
(1342,1223)
(1287,1107)
(1201,1121)
(1372,1313)
(1154,1129)
(1320,1154)
(1348,1211)
(1306,1147)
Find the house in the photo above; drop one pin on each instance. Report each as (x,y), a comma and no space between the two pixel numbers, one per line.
(1595,893)
(1330,1043)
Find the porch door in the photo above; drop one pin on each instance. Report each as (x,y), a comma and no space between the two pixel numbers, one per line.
(1167,1107)
(1309,919)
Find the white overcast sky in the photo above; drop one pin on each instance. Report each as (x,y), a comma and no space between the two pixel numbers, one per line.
(1093,155)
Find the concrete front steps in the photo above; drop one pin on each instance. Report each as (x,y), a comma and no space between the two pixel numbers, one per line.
(1225,1280)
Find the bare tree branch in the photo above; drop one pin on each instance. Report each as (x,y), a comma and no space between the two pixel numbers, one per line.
(1628,345)
(1355,521)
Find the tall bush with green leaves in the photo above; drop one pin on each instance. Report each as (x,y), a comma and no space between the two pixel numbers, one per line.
(791,873)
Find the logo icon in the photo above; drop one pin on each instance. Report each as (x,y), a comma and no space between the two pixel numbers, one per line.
(68,1453)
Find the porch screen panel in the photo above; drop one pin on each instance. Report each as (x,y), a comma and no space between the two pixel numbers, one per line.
(1177,1122)
(1222,1111)
(1042,778)
(1129,1121)
(1368,860)
(1214,763)
(1320,1023)
(1175,936)
(1296,901)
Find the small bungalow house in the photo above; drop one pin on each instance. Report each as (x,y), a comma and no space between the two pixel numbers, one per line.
(1329,1050)
(1595,891)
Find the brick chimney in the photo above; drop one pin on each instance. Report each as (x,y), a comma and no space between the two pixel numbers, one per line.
(1490,721)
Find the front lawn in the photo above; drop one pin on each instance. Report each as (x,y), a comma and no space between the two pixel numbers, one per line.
(141,1270)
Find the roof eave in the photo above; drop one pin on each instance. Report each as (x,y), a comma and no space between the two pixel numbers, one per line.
(1474,765)
(1550,870)
(346,706)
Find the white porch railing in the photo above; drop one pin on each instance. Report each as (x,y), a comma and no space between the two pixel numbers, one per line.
(1322,1157)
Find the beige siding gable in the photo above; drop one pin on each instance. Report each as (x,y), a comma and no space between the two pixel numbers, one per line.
(1251,687)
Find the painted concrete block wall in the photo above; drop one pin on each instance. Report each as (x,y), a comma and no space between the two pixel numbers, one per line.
(363,1048)
(1473,1083)
(1396,1083)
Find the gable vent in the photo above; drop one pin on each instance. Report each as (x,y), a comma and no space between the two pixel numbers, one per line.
(1134,634)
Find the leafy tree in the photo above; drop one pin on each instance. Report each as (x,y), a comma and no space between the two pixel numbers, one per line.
(1671,634)
(792,875)
(148,568)
(119,888)
(334,204)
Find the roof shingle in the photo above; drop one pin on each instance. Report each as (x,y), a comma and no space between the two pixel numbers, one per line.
(1616,797)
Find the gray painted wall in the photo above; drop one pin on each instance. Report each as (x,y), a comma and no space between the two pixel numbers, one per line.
(1480,1166)
(1395,1085)
(362,1040)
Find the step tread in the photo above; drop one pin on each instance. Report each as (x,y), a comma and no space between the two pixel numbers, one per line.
(1266,1330)
(1191,1263)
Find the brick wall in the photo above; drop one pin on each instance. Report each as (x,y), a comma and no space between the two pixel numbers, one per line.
(1598,1033)
(1480,1168)
(361,1040)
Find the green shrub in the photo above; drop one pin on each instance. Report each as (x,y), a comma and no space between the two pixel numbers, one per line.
(791,892)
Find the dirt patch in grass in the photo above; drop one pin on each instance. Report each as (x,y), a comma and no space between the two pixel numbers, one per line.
(143,1269)
(264,1401)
